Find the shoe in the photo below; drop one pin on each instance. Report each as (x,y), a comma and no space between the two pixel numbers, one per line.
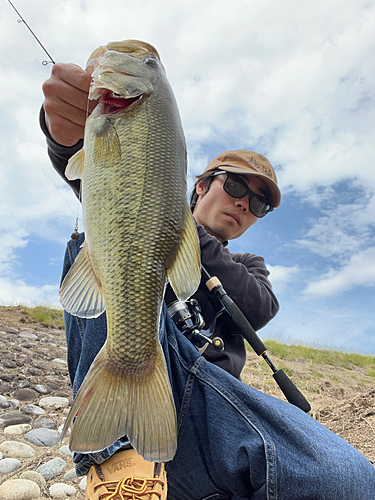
(127,476)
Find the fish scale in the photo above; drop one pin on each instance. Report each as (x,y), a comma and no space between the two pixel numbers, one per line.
(138,231)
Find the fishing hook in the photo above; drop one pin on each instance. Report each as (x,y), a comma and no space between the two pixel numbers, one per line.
(22,20)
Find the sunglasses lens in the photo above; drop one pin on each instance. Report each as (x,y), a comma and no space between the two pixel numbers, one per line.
(258,207)
(235,188)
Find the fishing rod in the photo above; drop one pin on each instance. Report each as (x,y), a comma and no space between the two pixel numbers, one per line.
(290,391)
(22,20)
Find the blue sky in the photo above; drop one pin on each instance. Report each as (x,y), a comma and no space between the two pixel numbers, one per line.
(293,81)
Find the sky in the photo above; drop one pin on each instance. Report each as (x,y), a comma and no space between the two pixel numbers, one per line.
(292,80)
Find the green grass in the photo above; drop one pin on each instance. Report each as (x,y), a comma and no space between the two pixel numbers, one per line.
(45,315)
(316,355)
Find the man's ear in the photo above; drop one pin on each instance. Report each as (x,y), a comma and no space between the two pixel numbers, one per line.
(201,187)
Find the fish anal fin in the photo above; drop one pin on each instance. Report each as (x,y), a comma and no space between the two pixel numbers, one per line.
(112,404)
(184,272)
(75,166)
(81,291)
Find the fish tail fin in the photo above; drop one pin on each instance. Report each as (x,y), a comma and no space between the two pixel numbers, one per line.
(111,404)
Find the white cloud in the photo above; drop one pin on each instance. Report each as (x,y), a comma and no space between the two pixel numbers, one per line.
(293,80)
(282,276)
(360,271)
(14,292)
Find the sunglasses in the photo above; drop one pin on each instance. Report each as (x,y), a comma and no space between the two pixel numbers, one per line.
(235,186)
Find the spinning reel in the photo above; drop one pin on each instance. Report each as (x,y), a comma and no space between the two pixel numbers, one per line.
(189,320)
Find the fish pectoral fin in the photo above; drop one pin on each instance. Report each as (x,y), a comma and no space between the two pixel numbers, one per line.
(81,291)
(112,403)
(75,166)
(185,271)
(107,145)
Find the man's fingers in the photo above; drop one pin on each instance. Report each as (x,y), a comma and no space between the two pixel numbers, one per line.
(68,133)
(66,103)
(69,83)
(73,75)
(59,108)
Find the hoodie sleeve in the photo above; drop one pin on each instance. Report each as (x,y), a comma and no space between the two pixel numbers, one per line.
(59,154)
(244,278)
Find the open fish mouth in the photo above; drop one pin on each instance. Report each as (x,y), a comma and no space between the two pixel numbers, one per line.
(114,103)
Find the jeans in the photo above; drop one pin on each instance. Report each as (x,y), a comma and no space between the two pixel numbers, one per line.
(234,442)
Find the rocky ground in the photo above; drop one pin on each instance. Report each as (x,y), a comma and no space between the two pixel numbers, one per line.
(35,396)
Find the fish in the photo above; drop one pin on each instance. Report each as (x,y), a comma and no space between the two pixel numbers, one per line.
(139,233)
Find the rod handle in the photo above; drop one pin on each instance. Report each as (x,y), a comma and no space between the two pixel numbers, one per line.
(290,391)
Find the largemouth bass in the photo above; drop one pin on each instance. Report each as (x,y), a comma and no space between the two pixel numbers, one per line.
(138,231)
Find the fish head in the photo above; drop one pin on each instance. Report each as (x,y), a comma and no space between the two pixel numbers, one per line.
(124,73)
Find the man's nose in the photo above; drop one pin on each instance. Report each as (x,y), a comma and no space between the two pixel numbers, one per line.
(242,203)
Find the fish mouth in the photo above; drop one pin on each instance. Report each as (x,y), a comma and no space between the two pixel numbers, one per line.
(115,103)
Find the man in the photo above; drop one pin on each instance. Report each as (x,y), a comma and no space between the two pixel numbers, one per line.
(233,442)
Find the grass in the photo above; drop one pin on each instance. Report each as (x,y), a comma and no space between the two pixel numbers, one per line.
(45,315)
(318,356)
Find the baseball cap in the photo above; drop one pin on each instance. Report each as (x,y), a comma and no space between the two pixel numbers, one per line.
(245,162)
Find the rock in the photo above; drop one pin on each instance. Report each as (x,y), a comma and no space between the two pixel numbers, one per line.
(10,355)
(70,475)
(10,404)
(19,489)
(8,465)
(54,402)
(42,389)
(28,336)
(5,389)
(61,490)
(52,386)
(52,468)
(13,419)
(25,394)
(59,361)
(37,478)
(54,331)
(43,437)
(23,384)
(44,422)
(2,399)
(11,330)
(65,450)
(14,449)
(32,410)
(17,430)
(8,363)
(82,484)
(6,377)
(35,371)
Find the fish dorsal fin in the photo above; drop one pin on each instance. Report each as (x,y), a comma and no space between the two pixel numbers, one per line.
(75,166)
(81,291)
(185,272)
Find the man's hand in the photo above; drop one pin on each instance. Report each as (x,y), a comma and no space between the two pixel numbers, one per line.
(65,105)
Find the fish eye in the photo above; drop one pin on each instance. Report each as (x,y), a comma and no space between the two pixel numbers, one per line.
(151,62)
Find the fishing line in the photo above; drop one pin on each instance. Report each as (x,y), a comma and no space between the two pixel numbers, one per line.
(22,20)
(75,235)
